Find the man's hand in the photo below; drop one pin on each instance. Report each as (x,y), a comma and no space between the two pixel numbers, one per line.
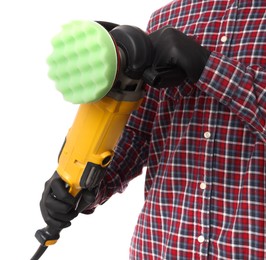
(59,207)
(175,50)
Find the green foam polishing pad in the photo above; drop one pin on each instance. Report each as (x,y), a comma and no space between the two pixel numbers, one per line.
(83,62)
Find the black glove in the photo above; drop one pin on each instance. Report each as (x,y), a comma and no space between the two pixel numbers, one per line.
(176,56)
(59,207)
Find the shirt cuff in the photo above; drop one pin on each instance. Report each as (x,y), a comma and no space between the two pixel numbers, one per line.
(221,77)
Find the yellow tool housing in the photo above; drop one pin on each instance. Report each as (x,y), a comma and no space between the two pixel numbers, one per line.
(92,138)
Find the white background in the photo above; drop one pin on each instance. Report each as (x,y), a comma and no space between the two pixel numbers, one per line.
(34,121)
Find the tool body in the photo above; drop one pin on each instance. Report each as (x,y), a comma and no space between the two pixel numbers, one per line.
(104,110)
(88,150)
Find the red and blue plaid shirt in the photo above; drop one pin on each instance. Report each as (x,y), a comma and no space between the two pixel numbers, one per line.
(204,145)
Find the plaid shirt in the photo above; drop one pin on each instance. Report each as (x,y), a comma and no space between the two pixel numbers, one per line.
(204,145)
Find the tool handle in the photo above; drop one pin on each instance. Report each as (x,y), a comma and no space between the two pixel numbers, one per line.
(163,77)
(48,236)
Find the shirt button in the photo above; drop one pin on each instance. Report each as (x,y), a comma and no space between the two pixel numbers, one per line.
(224,38)
(201,239)
(207,135)
(203,185)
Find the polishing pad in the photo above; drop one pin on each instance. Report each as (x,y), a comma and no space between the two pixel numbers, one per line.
(83,62)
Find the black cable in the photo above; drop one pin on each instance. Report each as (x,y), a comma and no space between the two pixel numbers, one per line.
(39,252)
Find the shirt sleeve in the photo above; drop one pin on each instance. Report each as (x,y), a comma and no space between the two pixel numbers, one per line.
(241,88)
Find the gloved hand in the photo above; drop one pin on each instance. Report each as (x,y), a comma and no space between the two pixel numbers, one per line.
(173,50)
(59,207)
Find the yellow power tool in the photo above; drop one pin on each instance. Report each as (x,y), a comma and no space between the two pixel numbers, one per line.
(102,71)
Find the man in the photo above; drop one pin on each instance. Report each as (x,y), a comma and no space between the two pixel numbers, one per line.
(203,141)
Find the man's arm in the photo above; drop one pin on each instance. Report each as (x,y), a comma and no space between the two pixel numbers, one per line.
(241,88)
